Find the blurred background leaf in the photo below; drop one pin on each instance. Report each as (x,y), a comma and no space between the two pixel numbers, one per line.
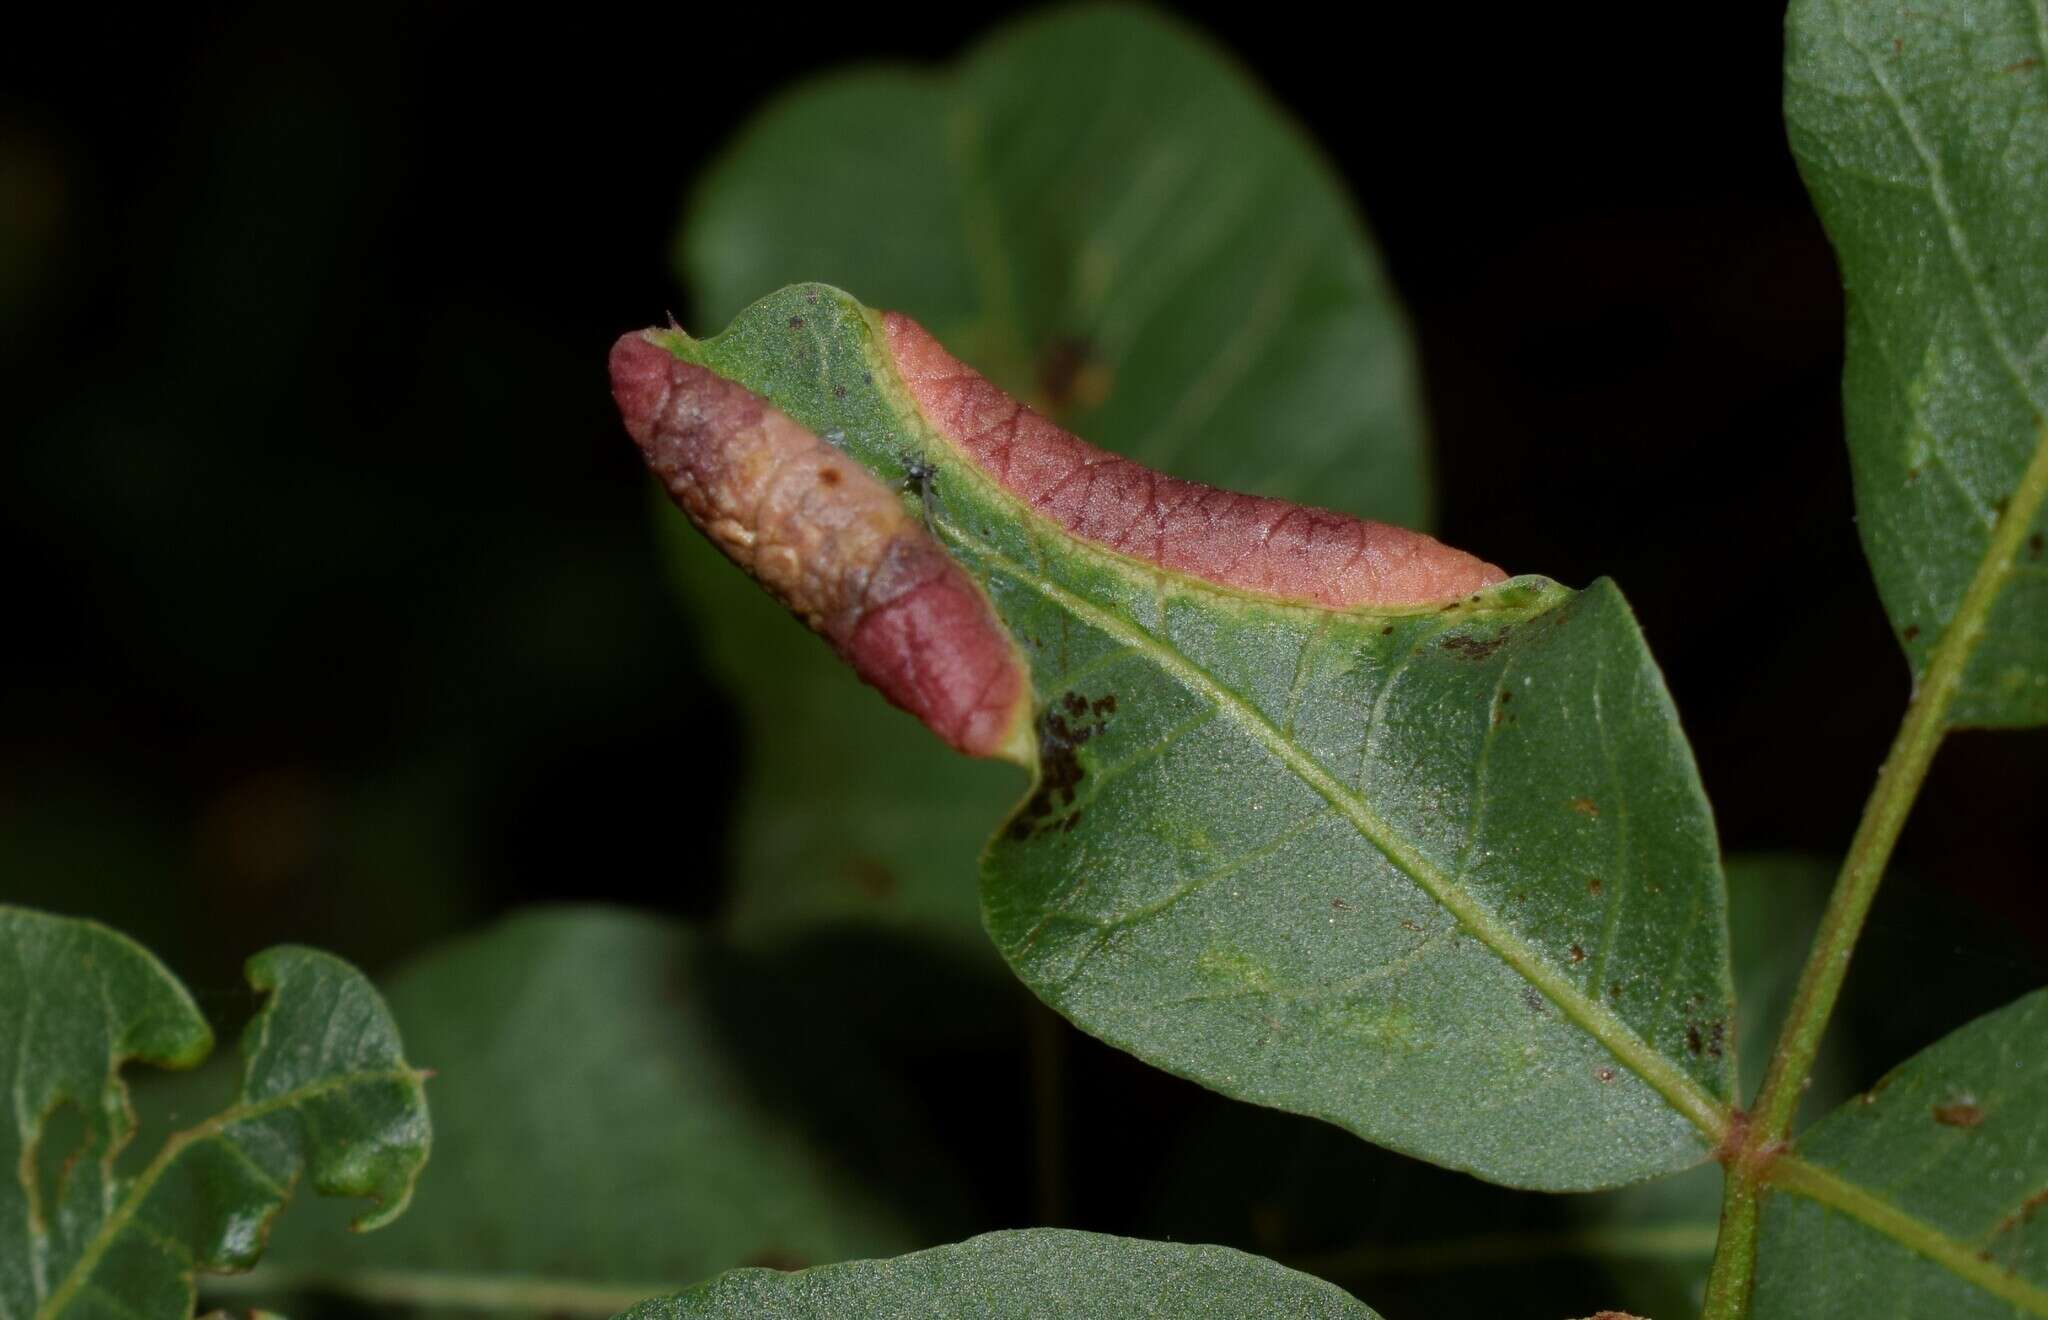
(623,1108)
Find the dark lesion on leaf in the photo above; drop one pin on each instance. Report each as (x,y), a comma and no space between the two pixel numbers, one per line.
(1473,647)
(1709,1038)
(2023,1215)
(1064,727)
(1959,1114)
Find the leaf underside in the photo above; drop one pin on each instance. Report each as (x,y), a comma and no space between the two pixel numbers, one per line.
(1026,1272)
(1099,209)
(1942,1174)
(1444,876)
(325,1091)
(1922,133)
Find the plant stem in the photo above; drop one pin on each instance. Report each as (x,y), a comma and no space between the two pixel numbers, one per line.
(1735,1249)
(1920,734)
(1827,964)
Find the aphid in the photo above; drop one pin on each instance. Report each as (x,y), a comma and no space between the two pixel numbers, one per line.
(833,544)
(920,478)
(1248,542)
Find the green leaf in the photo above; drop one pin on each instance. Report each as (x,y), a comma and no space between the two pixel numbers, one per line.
(1100,210)
(325,1088)
(1922,133)
(1924,1196)
(623,1109)
(1420,1241)
(1024,1272)
(1443,875)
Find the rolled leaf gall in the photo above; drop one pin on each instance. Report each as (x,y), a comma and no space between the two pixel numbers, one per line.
(833,544)
(1252,543)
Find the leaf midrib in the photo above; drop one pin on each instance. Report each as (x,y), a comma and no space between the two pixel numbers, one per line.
(1789,1173)
(1681,1092)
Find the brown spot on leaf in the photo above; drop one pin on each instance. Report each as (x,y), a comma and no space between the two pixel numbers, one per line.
(1604,1073)
(2034,546)
(1912,631)
(796,322)
(1595,887)
(1578,953)
(2021,66)
(1586,807)
(1474,648)
(1959,1114)
(1063,729)
(1693,1043)
(829,476)
(1534,999)
(2024,1214)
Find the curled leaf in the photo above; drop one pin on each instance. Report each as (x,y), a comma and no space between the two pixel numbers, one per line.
(832,544)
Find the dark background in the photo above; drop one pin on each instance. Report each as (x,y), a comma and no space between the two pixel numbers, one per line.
(332,608)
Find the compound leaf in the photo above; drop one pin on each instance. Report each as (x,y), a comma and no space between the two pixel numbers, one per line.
(626,1108)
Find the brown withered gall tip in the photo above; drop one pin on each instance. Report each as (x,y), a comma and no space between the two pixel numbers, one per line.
(832,543)
(1249,542)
